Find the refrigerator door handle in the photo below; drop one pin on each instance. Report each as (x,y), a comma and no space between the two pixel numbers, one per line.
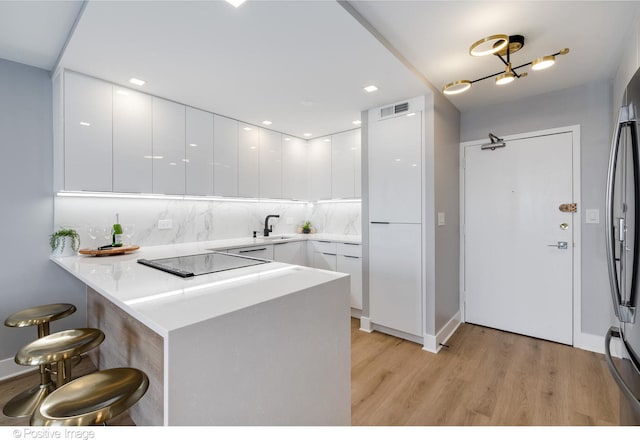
(614,332)
(611,262)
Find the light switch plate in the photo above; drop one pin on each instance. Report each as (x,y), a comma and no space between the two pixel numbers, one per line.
(441,221)
(592,215)
(165,224)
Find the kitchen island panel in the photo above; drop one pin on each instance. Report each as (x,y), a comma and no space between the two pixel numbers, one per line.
(129,343)
(281,362)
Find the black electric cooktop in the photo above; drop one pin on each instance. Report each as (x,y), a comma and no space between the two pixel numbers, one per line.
(200,264)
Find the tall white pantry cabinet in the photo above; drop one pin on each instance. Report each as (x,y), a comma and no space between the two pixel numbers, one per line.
(405,296)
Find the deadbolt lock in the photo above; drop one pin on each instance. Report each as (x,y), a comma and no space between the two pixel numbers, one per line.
(564,226)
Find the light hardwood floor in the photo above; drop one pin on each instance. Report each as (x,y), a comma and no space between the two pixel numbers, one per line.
(485,377)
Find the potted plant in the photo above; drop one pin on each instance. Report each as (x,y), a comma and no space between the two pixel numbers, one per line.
(64,242)
(306,228)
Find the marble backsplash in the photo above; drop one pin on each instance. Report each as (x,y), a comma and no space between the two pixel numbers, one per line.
(197,220)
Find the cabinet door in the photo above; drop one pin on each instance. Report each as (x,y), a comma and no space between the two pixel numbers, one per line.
(132,141)
(168,147)
(320,169)
(395,181)
(358,165)
(293,252)
(294,169)
(225,155)
(324,260)
(265,252)
(248,161)
(199,152)
(270,164)
(353,266)
(343,164)
(88,109)
(395,280)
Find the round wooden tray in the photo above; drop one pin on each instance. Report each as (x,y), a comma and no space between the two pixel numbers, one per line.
(111,251)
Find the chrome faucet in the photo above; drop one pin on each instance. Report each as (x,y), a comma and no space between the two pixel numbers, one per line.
(268,228)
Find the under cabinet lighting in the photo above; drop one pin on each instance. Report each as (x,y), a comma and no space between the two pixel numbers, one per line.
(86,124)
(138,82)
(235,3)
(112,195)
(370,88)
(340,201)
(267,122)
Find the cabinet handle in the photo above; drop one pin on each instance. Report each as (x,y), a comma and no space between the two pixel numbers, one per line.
(326,253)
(323,241)
(253,250)
(352,244)
(379,223)
(351,256)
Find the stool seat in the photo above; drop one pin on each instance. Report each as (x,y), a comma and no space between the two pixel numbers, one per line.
(59,346)
(39,315)
(92,399)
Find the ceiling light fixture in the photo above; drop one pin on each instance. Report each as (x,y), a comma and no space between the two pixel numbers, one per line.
(136,81)
(267,122)
(235,3)
(502,46)
(357,122)
(370,88)
(307,135)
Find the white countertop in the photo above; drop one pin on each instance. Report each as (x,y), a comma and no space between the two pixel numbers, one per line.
(166,302)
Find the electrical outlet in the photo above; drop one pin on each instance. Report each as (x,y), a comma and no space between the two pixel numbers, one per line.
(166,223)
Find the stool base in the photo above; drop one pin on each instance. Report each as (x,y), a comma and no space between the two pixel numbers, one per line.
(25,403)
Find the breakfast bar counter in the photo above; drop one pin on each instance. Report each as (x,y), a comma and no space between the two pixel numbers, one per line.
(267,344)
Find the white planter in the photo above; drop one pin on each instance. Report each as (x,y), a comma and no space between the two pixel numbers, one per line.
(65,248)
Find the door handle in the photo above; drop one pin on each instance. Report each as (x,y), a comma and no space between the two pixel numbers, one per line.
(560,245)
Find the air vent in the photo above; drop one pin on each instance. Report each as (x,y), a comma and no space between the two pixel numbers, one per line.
(399,108)
(394,109)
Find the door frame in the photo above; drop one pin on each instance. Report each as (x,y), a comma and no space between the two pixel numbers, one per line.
(577,241)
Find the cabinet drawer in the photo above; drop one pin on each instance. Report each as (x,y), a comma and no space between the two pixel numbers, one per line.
(323,246)
(265,252)
(350,249)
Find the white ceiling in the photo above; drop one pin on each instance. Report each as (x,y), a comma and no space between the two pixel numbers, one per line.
(303,64)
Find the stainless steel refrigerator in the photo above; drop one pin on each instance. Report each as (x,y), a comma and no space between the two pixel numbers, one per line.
(623,247)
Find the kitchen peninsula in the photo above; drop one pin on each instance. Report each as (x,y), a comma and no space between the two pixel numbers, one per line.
(262,345)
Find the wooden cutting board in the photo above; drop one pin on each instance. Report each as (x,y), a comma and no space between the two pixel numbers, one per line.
(111,251)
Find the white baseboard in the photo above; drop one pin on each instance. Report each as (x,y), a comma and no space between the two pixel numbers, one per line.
(432,343)
(365,324)
(356,313)
(9,369)
(595,343)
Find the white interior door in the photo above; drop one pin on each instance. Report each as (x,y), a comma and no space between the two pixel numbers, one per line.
(517,276)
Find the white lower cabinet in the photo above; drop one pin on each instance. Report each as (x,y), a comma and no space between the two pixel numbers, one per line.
(353,266)
(324,260)
(264,251)
(292,252)
(395,276)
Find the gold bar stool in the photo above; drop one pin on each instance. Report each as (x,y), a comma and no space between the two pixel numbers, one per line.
(59,348)
(24,403)
(92,399)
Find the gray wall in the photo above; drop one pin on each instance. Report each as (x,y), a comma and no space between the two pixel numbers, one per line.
(447,200)
(589,106)
(27,277)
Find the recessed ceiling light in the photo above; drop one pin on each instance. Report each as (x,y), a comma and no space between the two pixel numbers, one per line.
(86,124)
(173,163)
(327,140)
(357,122)
(193,145)
(267,122)
(287,139)
(307,135)
(136,81)
(246,128)
(371,88)
(411,114)
(253,147)
(235,3)
(153,157)
(122,92)
(185,160)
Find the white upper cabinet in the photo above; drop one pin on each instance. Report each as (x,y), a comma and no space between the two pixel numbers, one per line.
(395,180)
(88,108)
(344,147)
(168,147)
(199,152)
(358,166)
(225,156)
(294,169)
(320,169)
(132,141)
(248,160)
(270,164)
